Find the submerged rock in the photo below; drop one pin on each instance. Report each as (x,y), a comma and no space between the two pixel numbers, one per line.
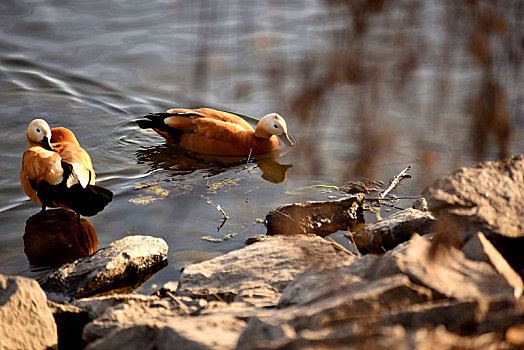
(320,218)
(26,322)
(125,264)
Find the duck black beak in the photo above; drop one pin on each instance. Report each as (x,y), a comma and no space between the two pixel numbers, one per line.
(46,144)
(285,138)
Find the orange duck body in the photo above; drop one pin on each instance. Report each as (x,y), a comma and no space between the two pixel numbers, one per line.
(210,131)
(57,172)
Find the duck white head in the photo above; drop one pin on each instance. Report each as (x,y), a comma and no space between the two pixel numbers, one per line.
(39,132)
(273,124)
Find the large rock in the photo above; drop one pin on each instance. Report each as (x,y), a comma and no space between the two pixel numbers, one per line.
(126,263)
(26,322)
(486,198)
(259,273)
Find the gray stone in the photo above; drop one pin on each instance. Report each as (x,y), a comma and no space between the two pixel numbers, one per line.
(316,217)
(125,264)
(398,228)
(257,274)
(26,322)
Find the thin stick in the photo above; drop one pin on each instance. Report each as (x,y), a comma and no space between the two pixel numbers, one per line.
(395,182)
(249,156)
(178,302)
(219,208)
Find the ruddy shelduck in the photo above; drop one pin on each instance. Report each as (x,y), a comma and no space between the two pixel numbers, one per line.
(57,172)
(210,131)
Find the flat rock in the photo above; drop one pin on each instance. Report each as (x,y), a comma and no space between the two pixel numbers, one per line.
(258,273)
(140,322)
(26,322)
(387,234)
(316,217)
(486,198)
(175,332)
(126,263)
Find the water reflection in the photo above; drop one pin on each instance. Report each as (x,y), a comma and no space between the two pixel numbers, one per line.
(58,236)
(180,162)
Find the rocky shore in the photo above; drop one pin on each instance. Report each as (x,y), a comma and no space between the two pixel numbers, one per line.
(449,275)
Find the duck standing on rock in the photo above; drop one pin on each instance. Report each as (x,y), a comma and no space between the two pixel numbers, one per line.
(57,172)
(210,131)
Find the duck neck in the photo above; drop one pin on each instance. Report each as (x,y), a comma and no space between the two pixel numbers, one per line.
(259,132)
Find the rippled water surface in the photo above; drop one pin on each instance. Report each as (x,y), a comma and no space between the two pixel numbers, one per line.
(94,68)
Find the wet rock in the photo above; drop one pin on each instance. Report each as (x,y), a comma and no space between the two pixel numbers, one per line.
(26,322)
(257,274)
(123,265)
(320,218)
(387,234)
(70,321)
(486,198)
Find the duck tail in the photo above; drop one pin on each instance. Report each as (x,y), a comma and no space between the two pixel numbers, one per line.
(155,121)
(87,201)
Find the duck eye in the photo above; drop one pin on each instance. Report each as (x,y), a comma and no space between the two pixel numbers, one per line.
(276,126)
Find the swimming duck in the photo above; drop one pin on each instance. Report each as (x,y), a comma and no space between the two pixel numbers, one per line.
(57,172)
(210,131)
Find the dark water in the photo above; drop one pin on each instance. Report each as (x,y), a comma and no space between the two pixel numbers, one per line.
(95,67)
